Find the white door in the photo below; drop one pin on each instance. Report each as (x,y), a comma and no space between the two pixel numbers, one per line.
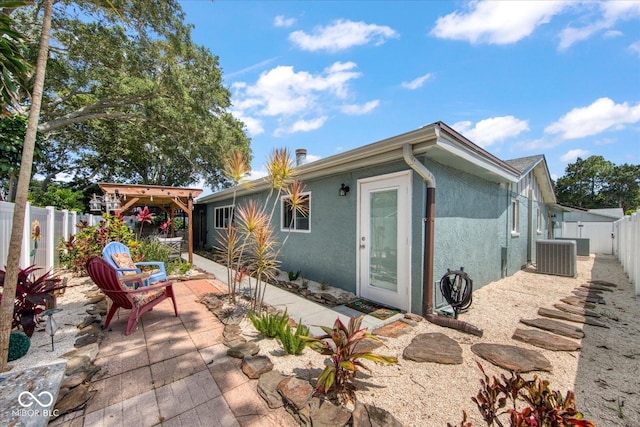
(384,225)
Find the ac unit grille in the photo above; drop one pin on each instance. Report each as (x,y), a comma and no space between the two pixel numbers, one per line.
(557,257)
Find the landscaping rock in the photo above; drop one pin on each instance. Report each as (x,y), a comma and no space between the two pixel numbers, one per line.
(268,388)
(88,321)
(589,297)
(409,322)
(577,301)
(295,391)
(594,287)
(554,326)
(393,329)
(546,340)
(94,299)
(414,317)
(576,310)
(254,366)
(90,350)
(512,358)
(434,347)
(74,399)
(233,341)
(76,379)
(323,413)
(100,308)
(77,364)
(84,340)
(365,415)
(576,318)
(231,330)
(243,350)
(603,283)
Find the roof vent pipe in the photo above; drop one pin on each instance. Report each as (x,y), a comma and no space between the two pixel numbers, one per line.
(301,156)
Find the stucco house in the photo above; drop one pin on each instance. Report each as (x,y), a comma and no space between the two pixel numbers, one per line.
(387,219)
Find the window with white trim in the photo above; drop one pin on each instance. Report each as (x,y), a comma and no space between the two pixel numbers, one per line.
(296,219)
(222,216)
(515,217)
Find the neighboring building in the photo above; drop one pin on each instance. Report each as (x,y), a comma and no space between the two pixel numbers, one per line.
(372,209)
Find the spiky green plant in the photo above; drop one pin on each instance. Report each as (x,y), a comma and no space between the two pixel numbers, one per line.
(292,342)
(270,325)
(340,344)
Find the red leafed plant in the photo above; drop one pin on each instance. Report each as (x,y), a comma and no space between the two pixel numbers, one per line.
(143,216)
(532,403)
(340,343)
(32,293)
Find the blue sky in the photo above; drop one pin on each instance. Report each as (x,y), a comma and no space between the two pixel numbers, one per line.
(559,78)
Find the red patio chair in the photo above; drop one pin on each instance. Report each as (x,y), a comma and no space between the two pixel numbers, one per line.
(117,289)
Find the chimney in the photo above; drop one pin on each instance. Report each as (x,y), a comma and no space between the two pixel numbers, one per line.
(301,156)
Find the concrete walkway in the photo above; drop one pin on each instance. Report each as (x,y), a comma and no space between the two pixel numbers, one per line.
(174,371)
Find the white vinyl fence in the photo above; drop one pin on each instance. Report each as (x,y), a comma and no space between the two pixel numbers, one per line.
(627,246)
(54,227)
(600,235)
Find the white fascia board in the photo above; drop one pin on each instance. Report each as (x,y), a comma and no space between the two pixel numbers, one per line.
(473,158)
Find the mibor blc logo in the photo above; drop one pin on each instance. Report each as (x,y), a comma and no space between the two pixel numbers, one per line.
(43,400)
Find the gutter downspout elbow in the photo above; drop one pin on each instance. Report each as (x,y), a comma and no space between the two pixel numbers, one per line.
(429,236)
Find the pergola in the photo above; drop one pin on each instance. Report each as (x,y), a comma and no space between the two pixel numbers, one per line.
(169,199)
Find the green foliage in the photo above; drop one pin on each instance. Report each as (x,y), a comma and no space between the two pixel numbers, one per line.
(32,294)
(151,249)
(91,239)
(340,343)
(293,275)
(178,266)
(598,183)
(270,325)
(131,97)
(19,344)
(529,403)
(14,67)
(55,195)
(292,342)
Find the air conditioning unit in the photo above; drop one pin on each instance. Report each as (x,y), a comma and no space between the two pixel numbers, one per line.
(557,257)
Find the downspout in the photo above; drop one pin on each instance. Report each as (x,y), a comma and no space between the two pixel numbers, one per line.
(430,180)
(429,239)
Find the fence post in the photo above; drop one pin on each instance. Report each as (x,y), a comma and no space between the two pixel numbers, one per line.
(74,224)
(25,254)
(50,238)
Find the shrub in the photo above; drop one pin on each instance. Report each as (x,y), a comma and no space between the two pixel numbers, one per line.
(532,403)
(270,325)
(91,239)
(19,344)
(340,343)
(152,250)
(32,294)
(178,267)
(293,342)
(293,276)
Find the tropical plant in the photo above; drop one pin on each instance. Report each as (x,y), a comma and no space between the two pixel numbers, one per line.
(32,294)
(293,275)
(14,67)
(144,216)
(293,342)
(528,403)
(91,239)
(270,325)
(340,343)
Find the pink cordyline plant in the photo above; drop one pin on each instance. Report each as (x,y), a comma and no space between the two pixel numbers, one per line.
(144,216)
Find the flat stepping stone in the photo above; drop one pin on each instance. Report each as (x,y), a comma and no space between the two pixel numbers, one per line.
(393,329)
(603,283)
(546,340)
(243,350)
(594,287)
(434,347)
(596,299)
(512,358)
(577,301)
(577,318)
(576,310)
(554,326)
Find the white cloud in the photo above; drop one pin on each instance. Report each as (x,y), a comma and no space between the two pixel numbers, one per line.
(281,21)
(298,99)
(301,126)
(612,12)
(612,34)
(497,22)
(342,34)
(312,158)
(493,130)
(572,155)
(358,110)
(603,114)
(416,83)
(635,48)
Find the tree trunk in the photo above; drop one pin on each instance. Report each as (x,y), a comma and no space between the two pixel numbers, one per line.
(15,244)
